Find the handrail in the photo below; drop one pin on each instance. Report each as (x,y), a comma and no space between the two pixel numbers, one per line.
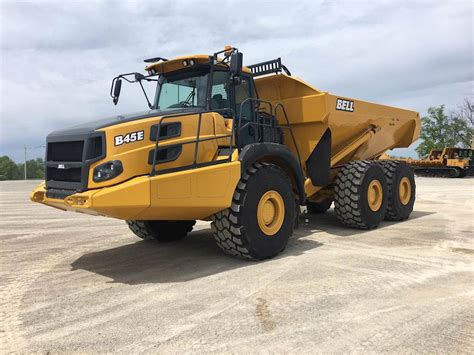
(195,141)
(273,111)
(233,135)
(291,130)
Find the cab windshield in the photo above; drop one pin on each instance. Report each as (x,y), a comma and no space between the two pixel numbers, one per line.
(181,90)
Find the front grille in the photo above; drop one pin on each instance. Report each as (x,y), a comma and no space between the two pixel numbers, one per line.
(59,194)
(94,148)
(72,174)
(68,161)
(65,151)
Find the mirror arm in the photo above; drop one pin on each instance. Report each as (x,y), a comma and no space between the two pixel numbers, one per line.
(137,77)
(150,106)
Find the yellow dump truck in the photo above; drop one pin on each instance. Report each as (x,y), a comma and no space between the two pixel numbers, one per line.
(242,146)
(446,162)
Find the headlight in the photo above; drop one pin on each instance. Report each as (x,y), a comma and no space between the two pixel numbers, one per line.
(185,63)
(107,170)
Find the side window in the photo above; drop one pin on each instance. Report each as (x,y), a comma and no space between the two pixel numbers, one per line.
(220,91)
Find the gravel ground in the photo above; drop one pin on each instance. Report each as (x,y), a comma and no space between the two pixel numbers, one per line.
(76,283)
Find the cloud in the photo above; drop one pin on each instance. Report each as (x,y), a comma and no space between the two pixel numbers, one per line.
(57,58)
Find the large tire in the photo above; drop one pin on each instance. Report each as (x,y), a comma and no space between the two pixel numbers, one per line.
(244,230)
(355,207)
(401,189)
(161,231)
(319,207)
(461,173)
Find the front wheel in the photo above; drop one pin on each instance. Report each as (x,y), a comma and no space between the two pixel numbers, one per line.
(161,231)
(260,221)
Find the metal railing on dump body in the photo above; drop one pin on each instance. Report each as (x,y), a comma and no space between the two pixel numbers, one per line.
(194,141)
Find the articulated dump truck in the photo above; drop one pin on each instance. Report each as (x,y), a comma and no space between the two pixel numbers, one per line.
(245,147)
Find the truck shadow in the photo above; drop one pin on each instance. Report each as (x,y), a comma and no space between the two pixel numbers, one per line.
(328,222)
(195,257)
(198,256)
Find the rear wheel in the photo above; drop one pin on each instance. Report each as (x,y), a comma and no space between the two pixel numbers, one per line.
(260,221)
(401,189)
(360,194)
(461,173)
(161,231)
(319,207)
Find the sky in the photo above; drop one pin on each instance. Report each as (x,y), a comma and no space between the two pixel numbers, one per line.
(57,59)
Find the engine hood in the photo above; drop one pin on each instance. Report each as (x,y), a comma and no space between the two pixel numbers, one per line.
(89,127)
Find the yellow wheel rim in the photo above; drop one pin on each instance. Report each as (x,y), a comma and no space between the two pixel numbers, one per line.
(404,190)
(375,195)
(270,212)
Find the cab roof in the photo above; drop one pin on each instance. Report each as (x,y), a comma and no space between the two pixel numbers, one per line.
(162,67)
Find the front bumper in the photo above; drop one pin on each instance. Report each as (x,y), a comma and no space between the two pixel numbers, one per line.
(185,195)
(122,201)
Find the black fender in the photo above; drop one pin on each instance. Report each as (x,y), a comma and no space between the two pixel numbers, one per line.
(318,165)
(279,155)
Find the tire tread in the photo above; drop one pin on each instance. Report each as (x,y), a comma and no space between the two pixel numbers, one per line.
(228,234)
(163,231)
(346,194)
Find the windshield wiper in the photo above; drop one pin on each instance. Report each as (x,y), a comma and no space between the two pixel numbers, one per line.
(190,98)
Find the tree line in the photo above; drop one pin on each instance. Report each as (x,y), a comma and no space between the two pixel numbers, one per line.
(447,129)
(439,129)
(9,170)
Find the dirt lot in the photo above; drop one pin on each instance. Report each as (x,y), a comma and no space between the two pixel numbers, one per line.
(71,282)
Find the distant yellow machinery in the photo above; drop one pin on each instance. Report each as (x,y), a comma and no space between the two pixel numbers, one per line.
(244,147)
(448,162)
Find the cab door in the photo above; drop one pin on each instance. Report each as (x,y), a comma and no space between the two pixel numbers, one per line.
(245,110)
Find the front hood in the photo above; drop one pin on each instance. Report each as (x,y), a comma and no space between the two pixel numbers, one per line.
(91,126)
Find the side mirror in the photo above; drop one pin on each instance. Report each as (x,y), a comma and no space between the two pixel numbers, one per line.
(117,88)
(236,60)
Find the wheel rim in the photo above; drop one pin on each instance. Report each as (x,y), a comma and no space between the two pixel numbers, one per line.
(404,190)
(270,212)
(375,195)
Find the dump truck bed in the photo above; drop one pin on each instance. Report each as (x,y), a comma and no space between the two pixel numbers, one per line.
(311,112)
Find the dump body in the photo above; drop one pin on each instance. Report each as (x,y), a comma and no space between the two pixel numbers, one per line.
(359,129)
(311,112)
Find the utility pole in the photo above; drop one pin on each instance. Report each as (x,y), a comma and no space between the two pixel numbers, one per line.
(25,163)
